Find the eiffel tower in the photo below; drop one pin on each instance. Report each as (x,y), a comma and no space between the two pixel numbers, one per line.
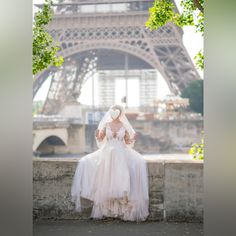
(110,35)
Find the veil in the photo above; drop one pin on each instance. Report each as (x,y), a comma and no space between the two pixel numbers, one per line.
(107,118)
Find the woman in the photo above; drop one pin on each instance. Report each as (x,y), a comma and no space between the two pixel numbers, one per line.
(114,178)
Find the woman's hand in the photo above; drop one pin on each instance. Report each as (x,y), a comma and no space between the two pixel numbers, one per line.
(128,141)
(100,135)
(127,138)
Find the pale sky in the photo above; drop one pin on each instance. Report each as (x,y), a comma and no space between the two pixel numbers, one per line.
(193,42)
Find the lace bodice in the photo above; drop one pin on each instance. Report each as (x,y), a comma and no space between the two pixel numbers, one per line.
(119,135)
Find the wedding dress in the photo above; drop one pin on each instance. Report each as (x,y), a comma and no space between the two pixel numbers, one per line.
(113,179)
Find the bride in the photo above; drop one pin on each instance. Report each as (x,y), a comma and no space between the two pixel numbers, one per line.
(113,180)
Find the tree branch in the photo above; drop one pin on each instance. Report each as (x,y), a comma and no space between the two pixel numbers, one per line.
(198,5)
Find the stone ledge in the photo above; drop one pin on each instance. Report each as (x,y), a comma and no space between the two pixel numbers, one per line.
(69,159)
(175,189)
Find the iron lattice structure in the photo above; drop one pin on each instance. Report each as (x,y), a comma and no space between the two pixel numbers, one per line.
(102,35)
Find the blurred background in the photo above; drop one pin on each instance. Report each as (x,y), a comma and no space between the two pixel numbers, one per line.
(110,57)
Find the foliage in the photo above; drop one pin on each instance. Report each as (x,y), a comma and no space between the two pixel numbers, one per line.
(194,92)
(197,150)
(163,11)
(160,14)
(44,48)
(199,60)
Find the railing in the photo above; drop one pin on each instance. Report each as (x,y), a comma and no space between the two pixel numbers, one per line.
(102,7)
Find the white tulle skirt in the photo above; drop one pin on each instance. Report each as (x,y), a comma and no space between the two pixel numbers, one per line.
(114,181)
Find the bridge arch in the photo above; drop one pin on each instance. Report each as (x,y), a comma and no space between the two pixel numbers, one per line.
(55,136)
(139,53)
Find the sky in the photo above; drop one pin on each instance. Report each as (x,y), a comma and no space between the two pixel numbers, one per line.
(193,42)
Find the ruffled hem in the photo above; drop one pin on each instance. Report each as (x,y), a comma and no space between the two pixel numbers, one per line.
(122,209)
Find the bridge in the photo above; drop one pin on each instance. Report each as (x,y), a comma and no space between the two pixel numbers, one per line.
(55,135)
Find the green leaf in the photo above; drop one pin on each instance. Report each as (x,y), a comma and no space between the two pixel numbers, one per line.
(44,48)
(163,11)
(197,150)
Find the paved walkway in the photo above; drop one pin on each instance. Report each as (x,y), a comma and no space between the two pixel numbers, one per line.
(115,228)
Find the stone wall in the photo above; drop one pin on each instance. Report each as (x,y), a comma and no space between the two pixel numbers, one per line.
(158,136)
(154,136)
(175,190)
(167,136)
(183,190)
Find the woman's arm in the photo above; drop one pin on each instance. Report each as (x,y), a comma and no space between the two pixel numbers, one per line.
(100,134)
(129,140)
